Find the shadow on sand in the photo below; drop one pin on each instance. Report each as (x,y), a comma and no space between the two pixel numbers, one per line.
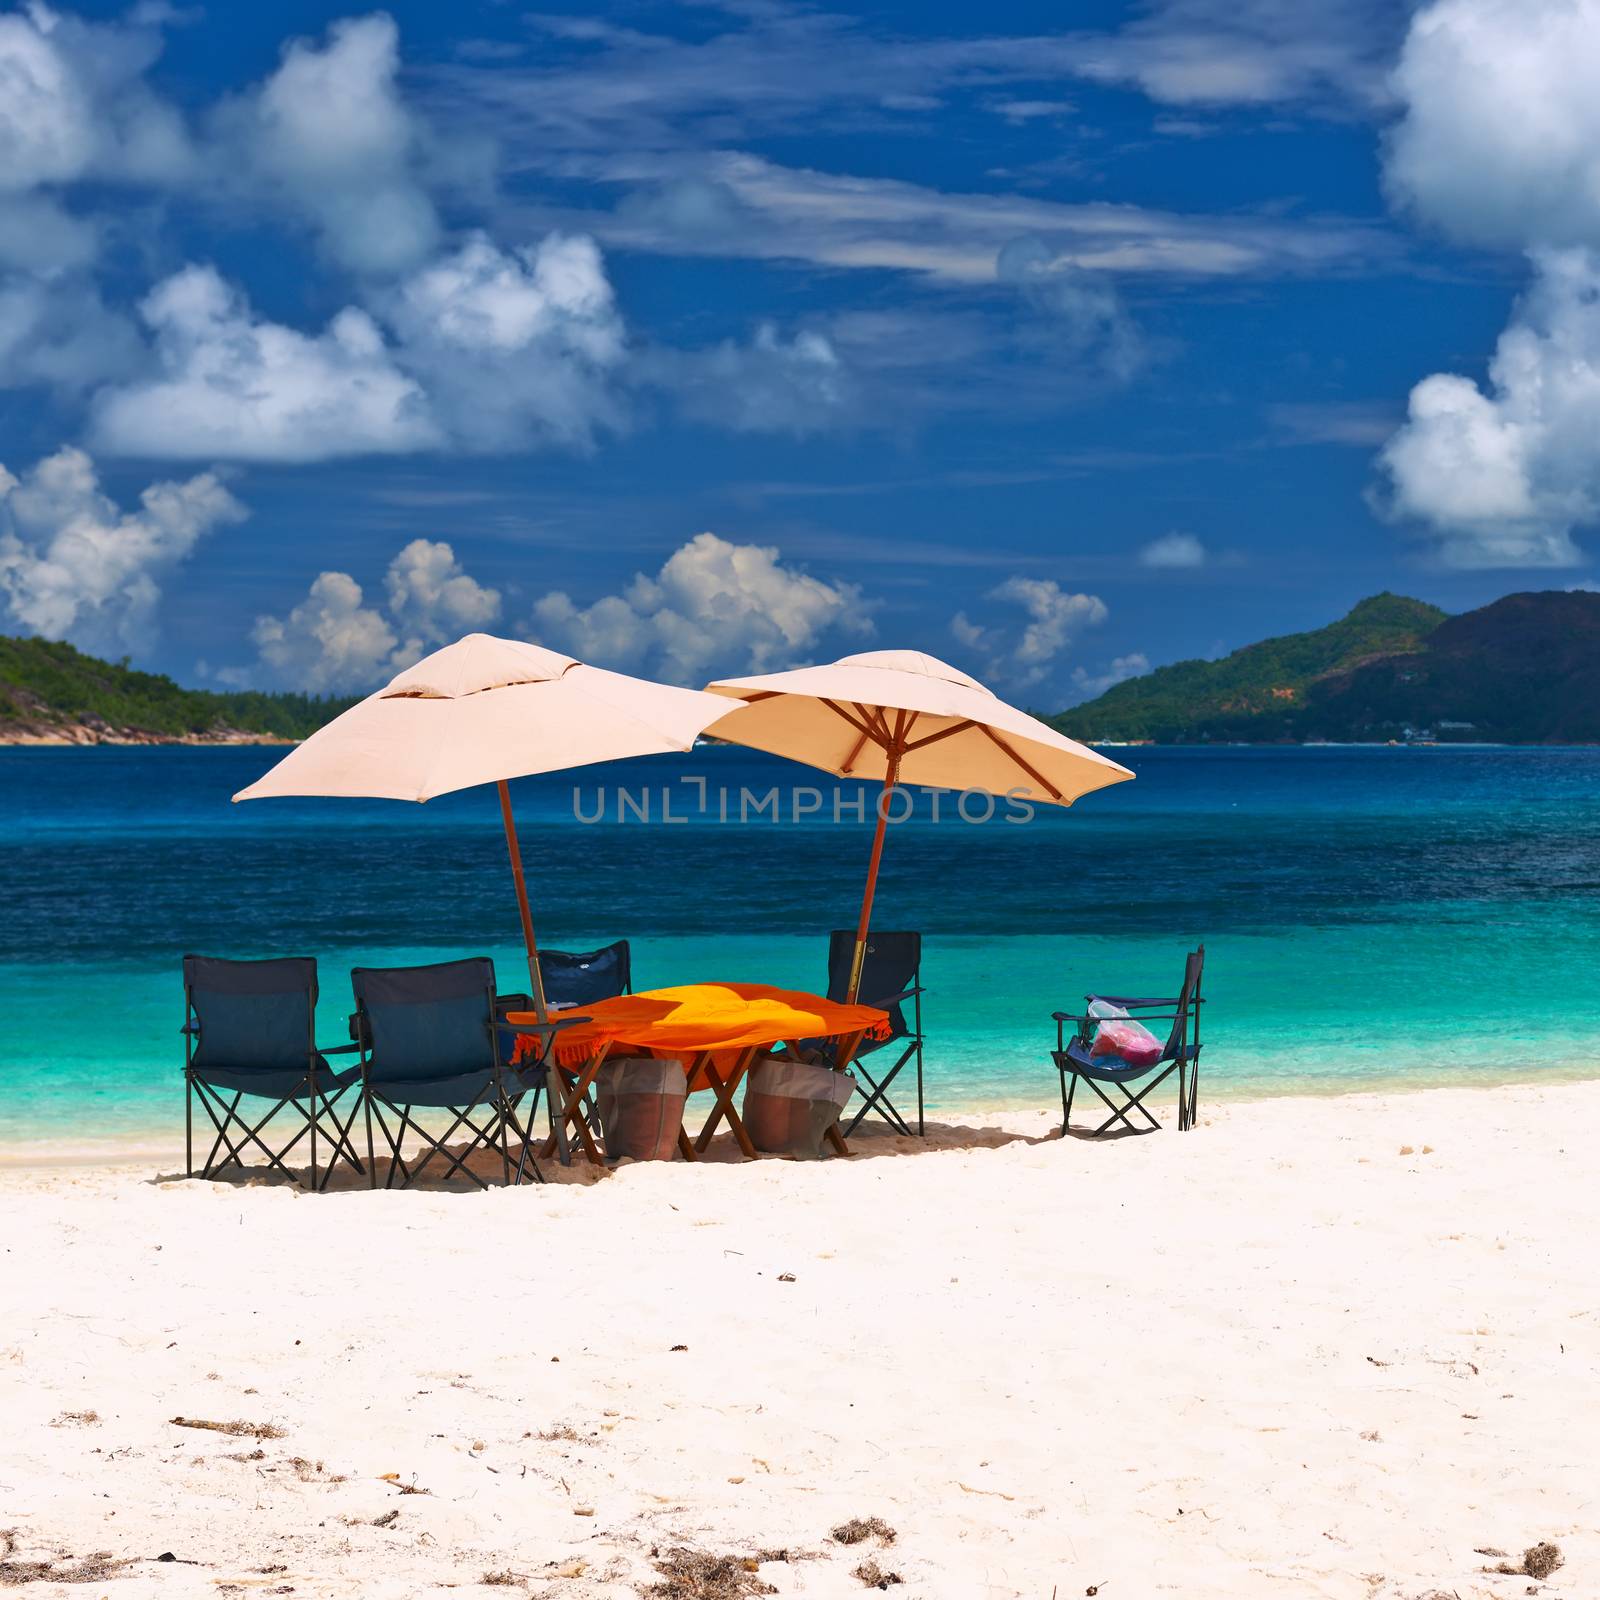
(866,1144)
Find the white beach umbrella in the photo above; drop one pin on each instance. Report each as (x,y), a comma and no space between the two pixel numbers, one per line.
(484,710)
(906,717)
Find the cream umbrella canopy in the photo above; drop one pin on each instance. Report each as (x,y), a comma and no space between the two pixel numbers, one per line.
(905,717)
(484,710)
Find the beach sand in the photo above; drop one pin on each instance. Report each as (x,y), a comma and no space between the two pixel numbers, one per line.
(1316,1347)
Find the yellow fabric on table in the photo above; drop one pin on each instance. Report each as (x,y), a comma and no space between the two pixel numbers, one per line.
(724,1018)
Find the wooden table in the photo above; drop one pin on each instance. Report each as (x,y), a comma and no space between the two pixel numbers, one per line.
(717,1030)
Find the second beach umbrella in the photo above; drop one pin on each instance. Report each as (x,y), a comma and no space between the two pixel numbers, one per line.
(906,717)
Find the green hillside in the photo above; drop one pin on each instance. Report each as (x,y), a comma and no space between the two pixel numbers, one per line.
(48,688)
(1258,693)
(1522,670)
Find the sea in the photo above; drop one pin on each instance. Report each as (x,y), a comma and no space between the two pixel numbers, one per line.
(1373,918)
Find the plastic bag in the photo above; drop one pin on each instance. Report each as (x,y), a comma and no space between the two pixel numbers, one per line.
(1119,1035)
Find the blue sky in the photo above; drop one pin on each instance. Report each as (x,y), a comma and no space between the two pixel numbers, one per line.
(695,338)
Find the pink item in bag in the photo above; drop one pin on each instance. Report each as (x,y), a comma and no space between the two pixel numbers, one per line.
(1128,1040)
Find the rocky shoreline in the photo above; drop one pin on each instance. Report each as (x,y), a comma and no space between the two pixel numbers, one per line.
(92,731)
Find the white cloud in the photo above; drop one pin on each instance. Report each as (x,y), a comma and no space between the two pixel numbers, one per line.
(877,224)
(46,118)
(769,384)
(751,72)
(1362,423)
(328,137)
(1251,52)
(515,348)
(487,350)
(73,103)
(432,598)
(235,387)
(1173,550)
(330,643)
(334,642)
(714,605)
(1031,110)
(1502,474)
(1026,655)
(1500,141)
(73,565)
(1090,685)
(1498,146)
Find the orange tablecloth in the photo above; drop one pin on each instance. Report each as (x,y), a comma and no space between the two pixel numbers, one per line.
(723,1018)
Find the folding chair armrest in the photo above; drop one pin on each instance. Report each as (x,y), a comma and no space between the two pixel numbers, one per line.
(190,1027)
(1129,1002)
(892,999)
(337,1049)
(555,1025)
(1066,1016)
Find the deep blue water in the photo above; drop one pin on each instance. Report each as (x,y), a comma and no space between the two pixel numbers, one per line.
(1370,915)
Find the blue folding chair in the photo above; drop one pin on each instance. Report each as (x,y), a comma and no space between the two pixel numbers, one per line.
(1074,1057)
(891,980)
(249,1033)
(573,978)
(430,1039)
(581,977)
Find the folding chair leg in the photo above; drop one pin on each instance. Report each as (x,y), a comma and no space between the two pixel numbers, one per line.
(188,1125)
(483,1138)
(525,1134)
(209,1101)
(341,1132)
(275,1160)
(374,1105)
(250,1133)
(1119,1113)
(230,1116)
(342,1143)
(879,1100)
(876,1101)
(1132,1103)
(922,1129)
(372,1159)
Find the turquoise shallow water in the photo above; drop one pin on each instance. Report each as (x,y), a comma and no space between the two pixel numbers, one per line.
(1372,917)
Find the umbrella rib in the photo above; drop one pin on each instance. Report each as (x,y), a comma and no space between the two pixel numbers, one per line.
(874,715)
(1038,777)
(855,722)
(943,733)
(855,750)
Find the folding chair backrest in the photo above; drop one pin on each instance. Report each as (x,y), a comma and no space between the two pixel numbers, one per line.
(252,1014)
(508,1036)
(891,966)
(1188,997)
(427,1022)
(581,977)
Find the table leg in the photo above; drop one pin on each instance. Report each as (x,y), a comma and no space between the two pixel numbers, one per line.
(570,1111)
(725,1106)
(735,1121)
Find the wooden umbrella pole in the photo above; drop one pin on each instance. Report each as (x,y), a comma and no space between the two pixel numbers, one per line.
(535,977)
(890,776)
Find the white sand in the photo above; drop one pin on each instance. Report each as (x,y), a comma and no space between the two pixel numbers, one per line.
(1274,1356)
